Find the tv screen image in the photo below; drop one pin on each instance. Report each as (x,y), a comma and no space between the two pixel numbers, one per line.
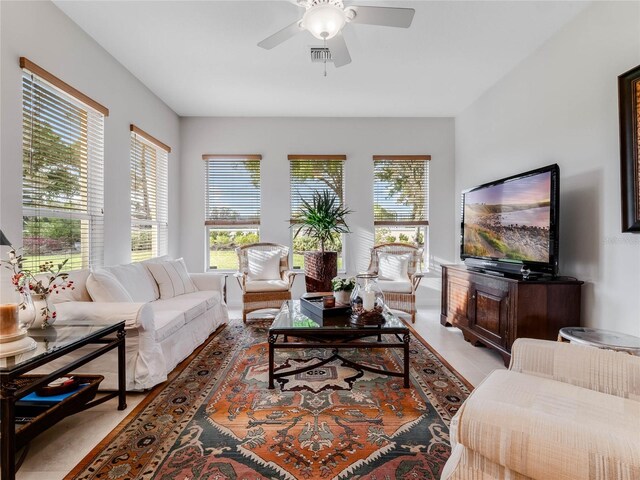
(510,220)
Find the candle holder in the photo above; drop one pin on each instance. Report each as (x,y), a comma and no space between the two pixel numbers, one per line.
(13,339)
(367,301)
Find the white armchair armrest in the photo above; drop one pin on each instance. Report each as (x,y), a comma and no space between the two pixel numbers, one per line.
(216,282)
(135,315)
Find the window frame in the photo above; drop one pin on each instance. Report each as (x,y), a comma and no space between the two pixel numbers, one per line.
(423,223)
(250,224)
(52,94)
(160,217)
(293,225)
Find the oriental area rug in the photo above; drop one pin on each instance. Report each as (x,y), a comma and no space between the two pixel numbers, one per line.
(215,418)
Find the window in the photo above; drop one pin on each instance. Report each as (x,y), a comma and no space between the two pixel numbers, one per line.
(232,200)
(401,198)
(308,174)
(63,158)
(149,196)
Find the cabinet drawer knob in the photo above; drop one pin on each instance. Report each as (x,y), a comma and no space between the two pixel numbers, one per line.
(473,296)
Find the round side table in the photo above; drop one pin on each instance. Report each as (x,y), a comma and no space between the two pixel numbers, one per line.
(599,338)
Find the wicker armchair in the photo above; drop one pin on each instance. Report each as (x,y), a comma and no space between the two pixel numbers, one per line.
(263,293)
(399,293)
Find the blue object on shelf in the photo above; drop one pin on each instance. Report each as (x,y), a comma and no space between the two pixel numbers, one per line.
(35,398)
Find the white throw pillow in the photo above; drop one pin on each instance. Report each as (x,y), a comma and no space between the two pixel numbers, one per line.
(136,280)
(393,266)
(172,278)
(263,265)
(162,258)
(103,286)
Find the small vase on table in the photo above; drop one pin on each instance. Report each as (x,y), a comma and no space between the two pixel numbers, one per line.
(45,314)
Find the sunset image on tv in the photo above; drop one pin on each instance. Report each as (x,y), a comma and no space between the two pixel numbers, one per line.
(510,220)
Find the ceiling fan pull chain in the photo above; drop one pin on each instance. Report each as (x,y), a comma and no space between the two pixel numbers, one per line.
(324,40)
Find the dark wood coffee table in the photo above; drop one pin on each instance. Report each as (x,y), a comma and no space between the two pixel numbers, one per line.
(334,333)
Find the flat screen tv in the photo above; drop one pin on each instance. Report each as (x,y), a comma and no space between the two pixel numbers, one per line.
(510,225)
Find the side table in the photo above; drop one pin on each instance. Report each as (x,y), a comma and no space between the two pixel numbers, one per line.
(599,338)
(52,343)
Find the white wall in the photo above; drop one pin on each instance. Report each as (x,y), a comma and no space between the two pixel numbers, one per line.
(560,106)
(41,32)
(358,138)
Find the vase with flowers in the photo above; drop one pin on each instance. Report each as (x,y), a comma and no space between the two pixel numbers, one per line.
(35,288)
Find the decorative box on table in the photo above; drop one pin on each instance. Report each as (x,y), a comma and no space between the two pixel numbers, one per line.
(312,306)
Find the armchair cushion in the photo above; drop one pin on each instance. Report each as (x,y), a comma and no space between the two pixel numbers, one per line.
(263,265)
(255,286)
(103,286)
(393,266)
(399,286)
(172,278)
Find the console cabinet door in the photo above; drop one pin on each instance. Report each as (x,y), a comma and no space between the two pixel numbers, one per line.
(457,301)
(489,311)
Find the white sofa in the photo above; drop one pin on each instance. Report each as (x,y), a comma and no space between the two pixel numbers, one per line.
(160,332)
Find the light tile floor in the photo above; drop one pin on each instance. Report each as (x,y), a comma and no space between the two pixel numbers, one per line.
(54,453)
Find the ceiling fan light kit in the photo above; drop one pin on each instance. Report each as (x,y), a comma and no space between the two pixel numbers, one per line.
(325,19)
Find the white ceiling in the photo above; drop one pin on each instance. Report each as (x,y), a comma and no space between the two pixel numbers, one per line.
(201,58)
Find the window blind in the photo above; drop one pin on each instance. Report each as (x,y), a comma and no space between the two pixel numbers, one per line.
(311,173)
(232,190)
(401,190)
(149,196)
(63,158)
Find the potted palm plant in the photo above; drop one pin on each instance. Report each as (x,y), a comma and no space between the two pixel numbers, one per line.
(322,218)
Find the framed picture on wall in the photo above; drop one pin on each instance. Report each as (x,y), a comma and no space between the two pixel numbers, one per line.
(629,109)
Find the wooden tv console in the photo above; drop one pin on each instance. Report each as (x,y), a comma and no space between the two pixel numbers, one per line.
(493,310)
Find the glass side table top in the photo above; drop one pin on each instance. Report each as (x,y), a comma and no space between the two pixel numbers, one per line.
(291,318)
(55,337)
(602,338)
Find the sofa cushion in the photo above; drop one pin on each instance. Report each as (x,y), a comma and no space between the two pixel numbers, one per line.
(191,304)
(543,428)
(210,297)
(263,265)
(395,286)
(167,322)
(393,266)
(266,285)
(103,286)
(172,278)
(136,280)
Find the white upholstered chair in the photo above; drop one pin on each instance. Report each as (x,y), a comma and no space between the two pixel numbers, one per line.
(399,270)
(264,276)
(561,411)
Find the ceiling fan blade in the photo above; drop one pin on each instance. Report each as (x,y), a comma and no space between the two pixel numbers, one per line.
(385,16)
(339,51)
(280,36)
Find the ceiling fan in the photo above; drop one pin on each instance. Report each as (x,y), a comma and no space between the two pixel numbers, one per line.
(325,19)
